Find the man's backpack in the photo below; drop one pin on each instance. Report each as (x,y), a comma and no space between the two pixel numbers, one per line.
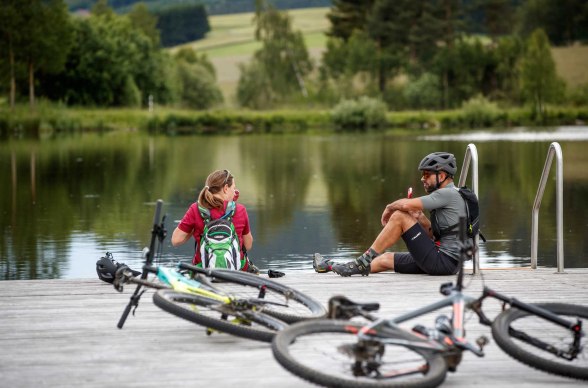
(473,216)
(219,242)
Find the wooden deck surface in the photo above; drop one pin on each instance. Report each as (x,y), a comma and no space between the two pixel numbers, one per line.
(62,333)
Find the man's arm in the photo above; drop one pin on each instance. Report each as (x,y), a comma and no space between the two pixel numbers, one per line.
(412,205)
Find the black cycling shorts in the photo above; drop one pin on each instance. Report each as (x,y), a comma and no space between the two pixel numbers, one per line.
(424,256)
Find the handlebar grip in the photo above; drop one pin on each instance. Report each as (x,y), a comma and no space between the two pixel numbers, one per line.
(124,316)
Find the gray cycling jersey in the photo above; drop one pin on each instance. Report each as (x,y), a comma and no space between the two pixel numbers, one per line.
(449,206)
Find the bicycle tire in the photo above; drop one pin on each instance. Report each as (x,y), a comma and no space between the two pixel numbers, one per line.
(290,305)
(208,312)
(548,332)
(313,350)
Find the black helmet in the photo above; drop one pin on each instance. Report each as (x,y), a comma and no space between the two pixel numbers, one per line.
(439,161)
(106,268)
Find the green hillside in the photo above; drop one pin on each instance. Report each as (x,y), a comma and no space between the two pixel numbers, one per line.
(231,41)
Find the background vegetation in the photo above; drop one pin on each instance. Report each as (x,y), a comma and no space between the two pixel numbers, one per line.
(483,57)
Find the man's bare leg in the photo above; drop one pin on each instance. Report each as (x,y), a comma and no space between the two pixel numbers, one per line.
(398,223)
(384,262)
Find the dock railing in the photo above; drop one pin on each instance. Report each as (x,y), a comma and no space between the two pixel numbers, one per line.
(471,156)
(554,150)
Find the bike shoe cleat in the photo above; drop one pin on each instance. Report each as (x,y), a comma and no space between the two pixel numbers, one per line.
(354,267)
(321,264)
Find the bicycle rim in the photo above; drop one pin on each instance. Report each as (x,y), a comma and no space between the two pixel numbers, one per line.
(282,302)
(325,352)
(547,332)
(218,316)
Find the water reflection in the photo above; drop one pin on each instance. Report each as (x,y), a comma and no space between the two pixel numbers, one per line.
(67,201)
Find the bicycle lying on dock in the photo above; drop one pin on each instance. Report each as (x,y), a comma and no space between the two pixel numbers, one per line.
(345,353)
(234,302)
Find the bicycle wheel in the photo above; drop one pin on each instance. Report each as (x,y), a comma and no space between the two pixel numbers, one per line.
(328,352)
(537,329)
(280,301)
(213,314)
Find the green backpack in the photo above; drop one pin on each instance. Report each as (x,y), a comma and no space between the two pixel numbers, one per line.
(219,242)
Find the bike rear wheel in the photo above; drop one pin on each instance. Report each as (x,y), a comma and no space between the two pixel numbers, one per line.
(280,301)
(326,352)
(539,329)
(213,314)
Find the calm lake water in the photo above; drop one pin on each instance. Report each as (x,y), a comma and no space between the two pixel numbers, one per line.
(67,201)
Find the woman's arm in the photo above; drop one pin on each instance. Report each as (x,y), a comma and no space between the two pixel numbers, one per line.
(179,237)
(248,241)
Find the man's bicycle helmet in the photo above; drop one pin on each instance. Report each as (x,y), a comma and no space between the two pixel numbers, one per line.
(439,161)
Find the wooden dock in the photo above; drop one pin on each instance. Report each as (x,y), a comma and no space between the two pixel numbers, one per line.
(62,333)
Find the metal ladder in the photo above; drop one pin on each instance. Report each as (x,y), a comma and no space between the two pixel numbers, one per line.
(471,156)
(554,150)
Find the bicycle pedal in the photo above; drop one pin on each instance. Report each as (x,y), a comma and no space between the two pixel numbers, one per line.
(482,341)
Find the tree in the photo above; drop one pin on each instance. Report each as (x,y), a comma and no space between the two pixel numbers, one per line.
(182,24)
(11,33)
(197,79)
(283,56)
(347,16)
(539,81)
(497,16)
(145,21)
(48,38)
(564,21)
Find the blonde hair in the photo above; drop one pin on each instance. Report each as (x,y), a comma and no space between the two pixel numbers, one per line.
(214,184)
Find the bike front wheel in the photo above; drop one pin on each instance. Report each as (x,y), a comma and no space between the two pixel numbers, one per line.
(329,353)
(223,317)
(529,338)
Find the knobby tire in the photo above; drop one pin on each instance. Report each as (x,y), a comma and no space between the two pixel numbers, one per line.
(207,312)
(546,332)
(305,349)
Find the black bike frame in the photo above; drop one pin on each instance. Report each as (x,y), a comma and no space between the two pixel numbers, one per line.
(157,234)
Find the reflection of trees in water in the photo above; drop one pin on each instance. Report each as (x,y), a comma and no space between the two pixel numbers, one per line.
(106,185)
(83,184)
(282,168)
(363,174)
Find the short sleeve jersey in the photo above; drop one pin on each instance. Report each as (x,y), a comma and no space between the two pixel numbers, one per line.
(192,223)
(449,206)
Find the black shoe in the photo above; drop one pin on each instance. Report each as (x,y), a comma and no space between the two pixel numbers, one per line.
(354,267)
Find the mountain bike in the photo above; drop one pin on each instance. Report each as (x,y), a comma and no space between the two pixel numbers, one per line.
(228,301)
(379,353)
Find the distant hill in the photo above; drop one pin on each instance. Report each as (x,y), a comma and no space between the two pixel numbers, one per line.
(213,7)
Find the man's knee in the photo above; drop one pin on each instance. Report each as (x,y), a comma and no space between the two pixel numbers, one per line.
(403,219)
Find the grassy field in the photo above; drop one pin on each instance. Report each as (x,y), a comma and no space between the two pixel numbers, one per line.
(572,64)
(231,42)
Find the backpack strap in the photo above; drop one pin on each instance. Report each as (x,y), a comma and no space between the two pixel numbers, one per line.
(204,213)
(230,211)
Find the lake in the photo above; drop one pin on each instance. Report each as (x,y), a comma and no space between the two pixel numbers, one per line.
(68,200)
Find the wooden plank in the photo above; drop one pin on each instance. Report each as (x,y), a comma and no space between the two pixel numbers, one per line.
(63,332)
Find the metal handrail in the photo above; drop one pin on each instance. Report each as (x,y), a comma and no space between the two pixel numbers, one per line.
(471,155)
(554,149)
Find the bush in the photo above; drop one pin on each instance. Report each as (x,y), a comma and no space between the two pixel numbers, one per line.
(480,112)
(424,93)
(362,114)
